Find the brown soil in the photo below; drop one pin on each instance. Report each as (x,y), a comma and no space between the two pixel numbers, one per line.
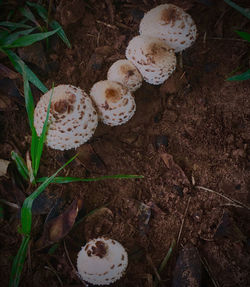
(191,131)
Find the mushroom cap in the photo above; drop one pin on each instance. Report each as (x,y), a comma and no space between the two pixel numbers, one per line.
(102,261)
(72,118)
(170,23)
(124,72)
(154,59)
(114,103)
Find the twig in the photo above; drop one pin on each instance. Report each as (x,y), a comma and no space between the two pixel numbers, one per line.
(107,25)
(11,204)
(208,269)
(182,222)
(226,39)
(49,13)
(154,268)
(53,271)
(224,196)
(205,39)
(182,75)
(70,262)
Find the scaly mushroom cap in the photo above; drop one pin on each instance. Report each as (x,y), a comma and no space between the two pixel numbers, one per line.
(124,72)
(72,118)
(170,23)
(154,59)
(102,261)
(114,103)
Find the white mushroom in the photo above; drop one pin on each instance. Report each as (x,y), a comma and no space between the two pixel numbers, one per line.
(154,59)
(124,72)
(102,261)
(170,23)
(72,118)
(114,103)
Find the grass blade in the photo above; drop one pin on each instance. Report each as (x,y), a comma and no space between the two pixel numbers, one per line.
(16,61)
(13,26)
(30,39)
(61,179)
(26,220)
(41,11)
(242,77)
(18,262)
(26,214)
(21,165)
(55,25)
(42,138)
(26,12)
(14,36)
(166,258)
(244,35)
(29,103)
(243,11)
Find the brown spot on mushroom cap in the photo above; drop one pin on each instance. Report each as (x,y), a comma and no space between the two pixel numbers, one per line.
(126,69)
(60,107)
(67,116)
(112,95)
(100,249)
(170,14)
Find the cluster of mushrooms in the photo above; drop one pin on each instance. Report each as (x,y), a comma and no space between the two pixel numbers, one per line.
(164,31)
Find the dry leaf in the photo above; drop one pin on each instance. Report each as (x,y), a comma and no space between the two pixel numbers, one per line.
(58,227)
(3,166)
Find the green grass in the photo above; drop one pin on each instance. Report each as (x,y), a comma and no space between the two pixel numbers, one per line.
(26,223)
(244,35)
(12,37)
(243,11)
(29,173)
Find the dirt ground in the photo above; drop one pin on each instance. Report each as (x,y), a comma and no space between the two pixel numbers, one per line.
(193,131)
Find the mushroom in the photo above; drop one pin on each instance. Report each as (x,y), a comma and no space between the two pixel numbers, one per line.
(170,23)
(114,103)
(124,72)
(72,118)
(154,59)
(102,261)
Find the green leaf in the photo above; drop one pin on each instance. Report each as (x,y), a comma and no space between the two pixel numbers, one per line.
(41,11)
(166,258)
(13,25)
(30,39)
(29,103)
(18,262)
(21,165)
(241,77)
(26,214)
(42,138)
(33,149)
(244,35)
(243,11)
(14,36)
(55,25)
(61,179)
(3,35)
(1,211)
(16,61)
(26,12)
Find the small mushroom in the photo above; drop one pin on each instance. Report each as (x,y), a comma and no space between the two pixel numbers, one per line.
(72,118)
(114,103)
(102,261)
(170,23)
(154,59)
(124,72)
